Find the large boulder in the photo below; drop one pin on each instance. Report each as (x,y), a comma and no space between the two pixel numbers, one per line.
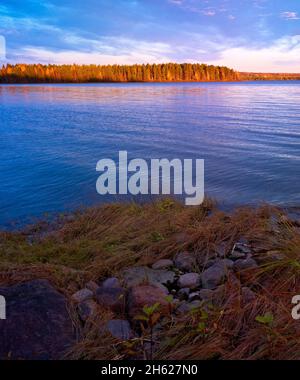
(37,324)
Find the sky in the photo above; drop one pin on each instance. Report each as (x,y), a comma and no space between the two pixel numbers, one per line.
(247,35)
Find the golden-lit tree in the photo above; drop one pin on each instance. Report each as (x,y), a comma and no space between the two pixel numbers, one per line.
(168,72)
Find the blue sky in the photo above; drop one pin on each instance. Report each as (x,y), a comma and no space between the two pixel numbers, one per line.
(248,35)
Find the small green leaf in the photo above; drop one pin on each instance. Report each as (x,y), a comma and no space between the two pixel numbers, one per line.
(266,319)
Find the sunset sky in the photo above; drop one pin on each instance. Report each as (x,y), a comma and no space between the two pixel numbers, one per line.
(247,35)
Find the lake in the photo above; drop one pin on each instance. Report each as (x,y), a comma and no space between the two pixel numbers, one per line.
(51,137)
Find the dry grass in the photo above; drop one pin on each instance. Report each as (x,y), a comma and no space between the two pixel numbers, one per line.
(102,241)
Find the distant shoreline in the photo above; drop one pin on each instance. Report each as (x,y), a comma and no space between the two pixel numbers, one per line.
(146,73)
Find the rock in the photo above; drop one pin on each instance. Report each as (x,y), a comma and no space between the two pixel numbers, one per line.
(82,295)
(183,293)
(111,282)
(247,295)
(141,275)
(112,298)
(186,307)
(38,325)
(242,248)
(244,264)
(87,309)
(238,255)
(215,296)
(120,329)
(216,274)
(146,295)
(194,296)
(163,264)
(189,280)
(93,286)
(185,261)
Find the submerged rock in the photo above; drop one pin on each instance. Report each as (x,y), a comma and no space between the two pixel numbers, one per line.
(38,325)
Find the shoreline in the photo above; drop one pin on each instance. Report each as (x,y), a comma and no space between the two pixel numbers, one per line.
(214,276)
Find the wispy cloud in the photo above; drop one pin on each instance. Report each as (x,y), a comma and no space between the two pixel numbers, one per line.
(105,50)
(290,15)
(208,12)
(281,56)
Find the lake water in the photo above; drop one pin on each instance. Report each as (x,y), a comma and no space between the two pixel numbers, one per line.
(51,137)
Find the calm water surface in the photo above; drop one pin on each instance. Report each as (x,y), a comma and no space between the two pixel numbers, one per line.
(51,137)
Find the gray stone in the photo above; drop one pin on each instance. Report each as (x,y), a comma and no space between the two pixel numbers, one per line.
(216,274)
(183,293)
(111,282)
(112,298)
(194,296)
(185,261)
(189,280)
(38,325)
(235,255)
(244,264)
(120,329)
(141,275)
(87,309)
(242,247)
(163,264)
(82,295)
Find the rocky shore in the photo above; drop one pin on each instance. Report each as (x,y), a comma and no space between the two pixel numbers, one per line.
(208,285)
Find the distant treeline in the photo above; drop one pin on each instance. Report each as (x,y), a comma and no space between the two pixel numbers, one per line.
(169,72)
(268,76)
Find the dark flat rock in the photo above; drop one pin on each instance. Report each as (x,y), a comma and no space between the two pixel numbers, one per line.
(37,324)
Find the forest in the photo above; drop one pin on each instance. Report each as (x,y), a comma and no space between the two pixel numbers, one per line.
(168,72)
